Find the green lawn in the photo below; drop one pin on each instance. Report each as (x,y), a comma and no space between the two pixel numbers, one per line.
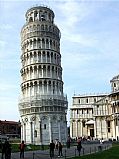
(15,147)
(112,153)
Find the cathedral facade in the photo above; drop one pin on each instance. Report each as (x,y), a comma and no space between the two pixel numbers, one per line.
(96,116)
(42,105)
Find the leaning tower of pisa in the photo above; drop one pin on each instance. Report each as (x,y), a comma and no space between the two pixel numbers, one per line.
(42,104)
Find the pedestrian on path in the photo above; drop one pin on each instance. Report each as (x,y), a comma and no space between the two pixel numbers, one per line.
(52,147)
(22,148)
(3,150)
(68,142)
(79,146)
(60,149)
(6,150)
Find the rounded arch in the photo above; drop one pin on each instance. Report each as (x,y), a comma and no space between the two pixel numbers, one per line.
(30,19)
(42,27)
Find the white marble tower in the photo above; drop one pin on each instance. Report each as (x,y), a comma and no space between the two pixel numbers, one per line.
(42,104)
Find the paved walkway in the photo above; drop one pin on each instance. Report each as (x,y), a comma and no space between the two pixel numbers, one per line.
(67,153)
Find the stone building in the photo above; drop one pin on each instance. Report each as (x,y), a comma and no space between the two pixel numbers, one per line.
(82,121)
(96,116)
(43,105)
(106,113)
(10,128)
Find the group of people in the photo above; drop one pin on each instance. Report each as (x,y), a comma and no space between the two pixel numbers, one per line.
(57,146)
(6,149)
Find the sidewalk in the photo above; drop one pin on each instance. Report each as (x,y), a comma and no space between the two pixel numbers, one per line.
(67,153)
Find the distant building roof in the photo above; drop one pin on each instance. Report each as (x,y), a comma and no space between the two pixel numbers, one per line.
(9,122)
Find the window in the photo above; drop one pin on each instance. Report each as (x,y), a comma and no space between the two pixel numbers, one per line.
(94,100)
(114,84)
(35,14)
(87,111)
(87,100)
(108,125)
(44,126)
(79,101)
(30,19)
(35,133)
(42,17)
(83,123)
(77,111)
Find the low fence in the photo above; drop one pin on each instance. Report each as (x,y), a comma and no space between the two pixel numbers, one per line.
(67,152)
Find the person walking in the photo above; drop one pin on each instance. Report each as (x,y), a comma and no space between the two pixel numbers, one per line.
(60,149)
(6,150)
(22,149)
(56,144)
(3,150)
(68,142)
(52,147)
(79,146)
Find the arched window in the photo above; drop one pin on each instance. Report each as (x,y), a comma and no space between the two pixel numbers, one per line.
(30,19)
(42,27)
(44,126)
(35,133)
(83,122)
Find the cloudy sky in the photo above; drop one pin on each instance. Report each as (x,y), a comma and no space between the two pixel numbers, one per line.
(89,47)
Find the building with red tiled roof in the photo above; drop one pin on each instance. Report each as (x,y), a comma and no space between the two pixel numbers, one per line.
(10,128)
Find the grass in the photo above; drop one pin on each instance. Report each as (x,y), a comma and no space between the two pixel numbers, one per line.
(112,153)
(15,147)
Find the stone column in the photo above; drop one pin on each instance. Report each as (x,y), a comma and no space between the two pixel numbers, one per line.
(87,129)
(31,125)
(76,128)
(36,48)
(22,135)
(40,131)
(81,128)
(33,128)
(47,87)
(42,71)
(24,132)
(41,44)
(71,129)
(106,128)
(49,44)
(38,88)
(95,128)
(50,54)
(50,129)
(45,43)
(66,133)
(113,128)
(59,130)
(101,127)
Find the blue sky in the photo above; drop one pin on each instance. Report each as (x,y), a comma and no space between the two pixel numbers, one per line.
(89,47)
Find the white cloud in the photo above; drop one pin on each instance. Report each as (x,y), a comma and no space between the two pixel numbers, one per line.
(81,39)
